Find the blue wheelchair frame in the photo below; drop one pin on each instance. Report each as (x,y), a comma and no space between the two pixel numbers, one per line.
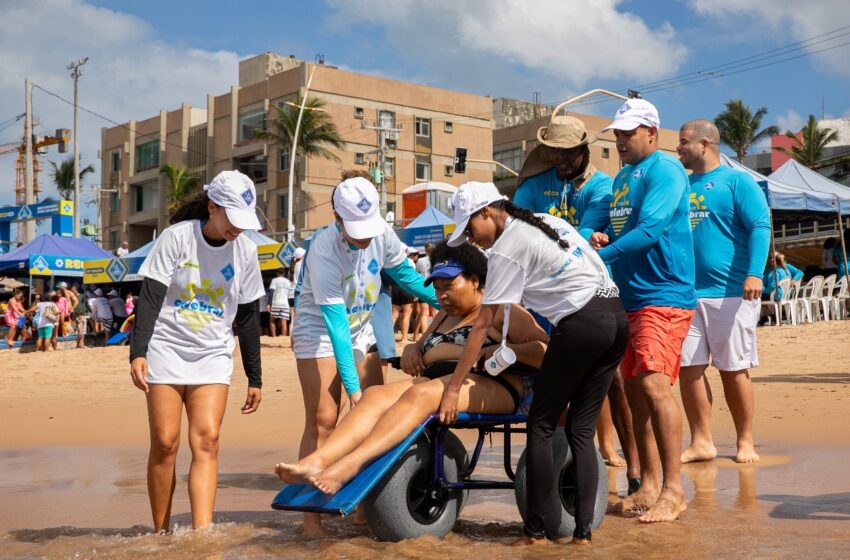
(306,498)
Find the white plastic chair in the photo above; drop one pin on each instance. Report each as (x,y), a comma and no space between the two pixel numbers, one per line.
(825,297)
(778,306)
(806,298)
(788,302)
(838,303)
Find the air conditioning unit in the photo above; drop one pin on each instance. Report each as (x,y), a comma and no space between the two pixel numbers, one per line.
(391,135)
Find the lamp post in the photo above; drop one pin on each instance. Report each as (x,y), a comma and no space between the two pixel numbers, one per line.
(290,192)
(76,72)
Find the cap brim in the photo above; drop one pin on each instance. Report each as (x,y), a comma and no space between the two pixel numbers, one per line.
(458,237)
(624,124)
(589,138)
(446,272)
(243,219)
(372,226)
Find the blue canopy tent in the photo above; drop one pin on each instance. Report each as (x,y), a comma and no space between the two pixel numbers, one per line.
(429,226)
(50,255)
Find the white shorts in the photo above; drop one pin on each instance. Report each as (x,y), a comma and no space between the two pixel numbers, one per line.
(723,329)
(310,343)
(280,313)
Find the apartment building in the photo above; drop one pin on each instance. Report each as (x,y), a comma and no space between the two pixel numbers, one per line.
(222,135)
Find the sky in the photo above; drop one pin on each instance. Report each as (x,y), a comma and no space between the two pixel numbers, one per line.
(687,56)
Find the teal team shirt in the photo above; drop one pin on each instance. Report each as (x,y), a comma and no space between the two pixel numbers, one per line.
(770,280)
(650,248)
(731,231)
(586,208)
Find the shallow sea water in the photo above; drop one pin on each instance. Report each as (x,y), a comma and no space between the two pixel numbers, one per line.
(91,502)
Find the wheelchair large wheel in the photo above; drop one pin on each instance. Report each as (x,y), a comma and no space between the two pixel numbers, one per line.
(405,506)
(565,482)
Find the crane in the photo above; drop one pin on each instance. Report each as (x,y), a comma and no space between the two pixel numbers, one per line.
(39,143)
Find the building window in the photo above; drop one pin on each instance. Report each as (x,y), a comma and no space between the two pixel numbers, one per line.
(146,197)
(449,170)
(284,158)
(389,167)
(392,144)
(422,127)
(423,168)
(358,112)
(250,122)
(386,119)
(359,158)
(113,239)
(283,206)
(115,165)
(511,158)
(253,166)
(606,153)
(147,155)
(448,127)
(114,202)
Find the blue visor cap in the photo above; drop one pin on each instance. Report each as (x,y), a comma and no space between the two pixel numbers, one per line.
(447,269)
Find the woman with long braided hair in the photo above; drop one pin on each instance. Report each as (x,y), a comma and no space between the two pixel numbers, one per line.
(543,263)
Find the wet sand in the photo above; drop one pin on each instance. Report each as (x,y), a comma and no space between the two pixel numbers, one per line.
(73,450)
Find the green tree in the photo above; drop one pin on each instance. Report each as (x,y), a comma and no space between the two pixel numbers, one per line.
(317,134)
(183,184)
(808,147)
(739,126)
(63,176)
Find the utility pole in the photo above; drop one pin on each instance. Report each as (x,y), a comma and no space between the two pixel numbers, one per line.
(290,225)
(386,131)
(76,72)
(28,225)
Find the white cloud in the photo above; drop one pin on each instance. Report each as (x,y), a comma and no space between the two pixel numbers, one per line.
(132,73)
(800,20)
(790,120)
(575,43)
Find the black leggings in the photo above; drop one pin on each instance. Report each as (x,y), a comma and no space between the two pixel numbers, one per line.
(584,351)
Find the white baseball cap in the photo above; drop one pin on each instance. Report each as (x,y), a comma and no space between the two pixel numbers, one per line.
(235,192)
(466,201)
(634,113)
(299,253)
(356,202)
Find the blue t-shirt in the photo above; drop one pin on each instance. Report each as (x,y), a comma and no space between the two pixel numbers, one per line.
(840,258)
(650,248)
(731,230)
(584,208)
(770,280)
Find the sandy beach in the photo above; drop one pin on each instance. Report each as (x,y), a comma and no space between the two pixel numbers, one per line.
(73,449)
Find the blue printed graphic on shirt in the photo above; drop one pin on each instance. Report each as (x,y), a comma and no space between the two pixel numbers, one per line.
(650,250)
(731,231)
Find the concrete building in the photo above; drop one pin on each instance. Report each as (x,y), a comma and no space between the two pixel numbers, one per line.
(511,145)
(221,136)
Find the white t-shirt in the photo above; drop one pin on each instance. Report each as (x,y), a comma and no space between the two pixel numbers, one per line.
(42,316)
(280,298)
(423,266)
(335,273)
(525,266)
(296,271)
(192,342)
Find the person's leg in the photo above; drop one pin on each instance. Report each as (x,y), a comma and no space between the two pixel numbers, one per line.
(697,401)
(10,336)
(738,388)
(605,434)
(621,415)
(284,324)
(205,406)
(165,407)
(273,324)
(351,431)
(321,390)
(406,313)
(667,427)
(422,398)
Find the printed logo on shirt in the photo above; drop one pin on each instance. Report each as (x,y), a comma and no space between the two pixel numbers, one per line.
(708,186)
(374,267)
(578,252)
(561,213)
(620,209)
(638,173)
(199,305)
(698,210)
(190,264)
(248,196)
(227,272)
(364,205)
(360,309)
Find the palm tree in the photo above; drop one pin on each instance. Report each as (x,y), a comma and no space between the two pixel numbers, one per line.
(738,126)
(317,134)
(183,184)
(807,148)
(63,176)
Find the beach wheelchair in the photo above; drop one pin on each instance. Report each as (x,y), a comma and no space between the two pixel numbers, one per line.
(420,486)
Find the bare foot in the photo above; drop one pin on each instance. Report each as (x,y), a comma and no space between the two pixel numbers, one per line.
(635,504)
(333,478)
(746,453)
(699,452)
(313,527)
(581,542)
(525,540)
(668,507)
(612,458)
(296,473)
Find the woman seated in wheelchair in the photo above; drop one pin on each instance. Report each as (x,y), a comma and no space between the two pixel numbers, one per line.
(388,413)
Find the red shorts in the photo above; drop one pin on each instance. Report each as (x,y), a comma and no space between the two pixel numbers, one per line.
(656,335)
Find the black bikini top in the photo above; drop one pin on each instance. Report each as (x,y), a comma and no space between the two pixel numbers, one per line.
(457,336)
